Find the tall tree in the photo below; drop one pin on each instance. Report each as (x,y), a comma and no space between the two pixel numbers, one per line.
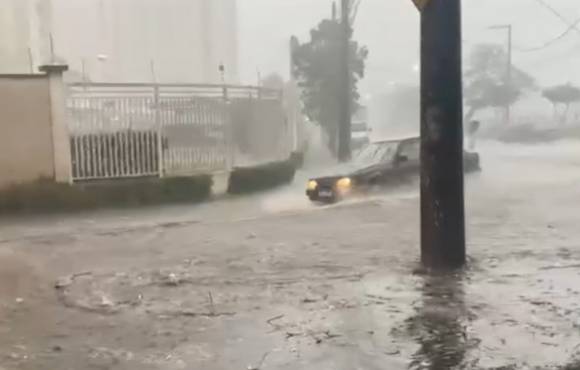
(564,95)
(317,69)
(485,80)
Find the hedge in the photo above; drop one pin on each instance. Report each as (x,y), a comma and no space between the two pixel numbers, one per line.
(245,180)
(47,196)
(298,159)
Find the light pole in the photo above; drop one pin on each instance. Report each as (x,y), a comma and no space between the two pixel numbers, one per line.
(508,78)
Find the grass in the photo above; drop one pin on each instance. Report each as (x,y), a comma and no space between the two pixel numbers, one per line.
(44,196)
(245,180)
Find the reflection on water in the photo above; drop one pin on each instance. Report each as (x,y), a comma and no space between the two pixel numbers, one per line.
(439,325)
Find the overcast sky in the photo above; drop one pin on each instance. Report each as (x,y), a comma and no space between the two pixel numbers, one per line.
(390,29)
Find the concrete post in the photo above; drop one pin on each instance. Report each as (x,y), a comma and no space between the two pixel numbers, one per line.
(345,120)
(60,135)
(159,128)
(228,130)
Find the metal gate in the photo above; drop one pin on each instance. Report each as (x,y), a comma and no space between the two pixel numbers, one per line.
(141,130)
(194,135)
(113,135)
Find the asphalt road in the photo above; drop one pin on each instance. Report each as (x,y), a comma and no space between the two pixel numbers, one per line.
(273,282)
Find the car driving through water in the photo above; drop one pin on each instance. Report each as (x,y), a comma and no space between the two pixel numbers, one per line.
(379,164)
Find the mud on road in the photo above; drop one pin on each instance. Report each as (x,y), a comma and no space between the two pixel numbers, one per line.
(271,282)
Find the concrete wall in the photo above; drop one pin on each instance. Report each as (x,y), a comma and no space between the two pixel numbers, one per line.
(26,146)
(168,41)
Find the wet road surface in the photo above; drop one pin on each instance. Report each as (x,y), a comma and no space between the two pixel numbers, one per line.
(273,282)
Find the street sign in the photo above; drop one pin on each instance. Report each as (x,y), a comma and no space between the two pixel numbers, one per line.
(420,4)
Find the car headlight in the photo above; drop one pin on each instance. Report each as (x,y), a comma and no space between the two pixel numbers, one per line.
(312,185)
(344,183)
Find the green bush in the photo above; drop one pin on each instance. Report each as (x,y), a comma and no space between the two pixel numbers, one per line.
(245,180)
(298,159)
(47,196)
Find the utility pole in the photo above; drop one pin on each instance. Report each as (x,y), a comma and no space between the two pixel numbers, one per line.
(509,69)
(509,72)
(442,197)
(344,95)
(294,45)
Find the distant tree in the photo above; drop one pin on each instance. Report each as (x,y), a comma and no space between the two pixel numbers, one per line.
(564,95)
(485,80)
(316,69)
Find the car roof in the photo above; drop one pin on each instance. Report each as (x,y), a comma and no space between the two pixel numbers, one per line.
(398,139)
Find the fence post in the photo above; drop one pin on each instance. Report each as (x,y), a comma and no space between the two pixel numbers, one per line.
(159,127)
(62,157)
(229,130)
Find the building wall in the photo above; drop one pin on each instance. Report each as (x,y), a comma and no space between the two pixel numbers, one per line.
(165,40)
(222,33)
(26,148)
(14,36)
(124,40)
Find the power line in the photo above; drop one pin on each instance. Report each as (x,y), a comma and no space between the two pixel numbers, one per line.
(549,43)
(558,14)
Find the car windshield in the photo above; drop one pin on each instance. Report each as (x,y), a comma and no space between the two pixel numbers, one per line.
(376,153)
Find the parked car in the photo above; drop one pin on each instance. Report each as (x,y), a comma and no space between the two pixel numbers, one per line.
(381,163)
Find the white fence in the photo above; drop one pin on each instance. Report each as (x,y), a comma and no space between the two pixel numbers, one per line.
(113,137)
(141,130)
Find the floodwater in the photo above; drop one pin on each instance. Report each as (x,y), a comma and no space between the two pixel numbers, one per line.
(273,282)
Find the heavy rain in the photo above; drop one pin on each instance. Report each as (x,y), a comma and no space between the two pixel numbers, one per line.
(177,190)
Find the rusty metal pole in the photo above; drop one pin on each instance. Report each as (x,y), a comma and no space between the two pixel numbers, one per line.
(442,197)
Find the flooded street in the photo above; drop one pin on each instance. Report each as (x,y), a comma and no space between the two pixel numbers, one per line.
(271,281)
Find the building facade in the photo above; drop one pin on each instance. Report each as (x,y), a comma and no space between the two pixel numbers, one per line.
(166,41)
(15,36)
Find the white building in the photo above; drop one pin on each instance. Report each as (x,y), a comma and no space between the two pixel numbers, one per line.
(15,36)
(122,40)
